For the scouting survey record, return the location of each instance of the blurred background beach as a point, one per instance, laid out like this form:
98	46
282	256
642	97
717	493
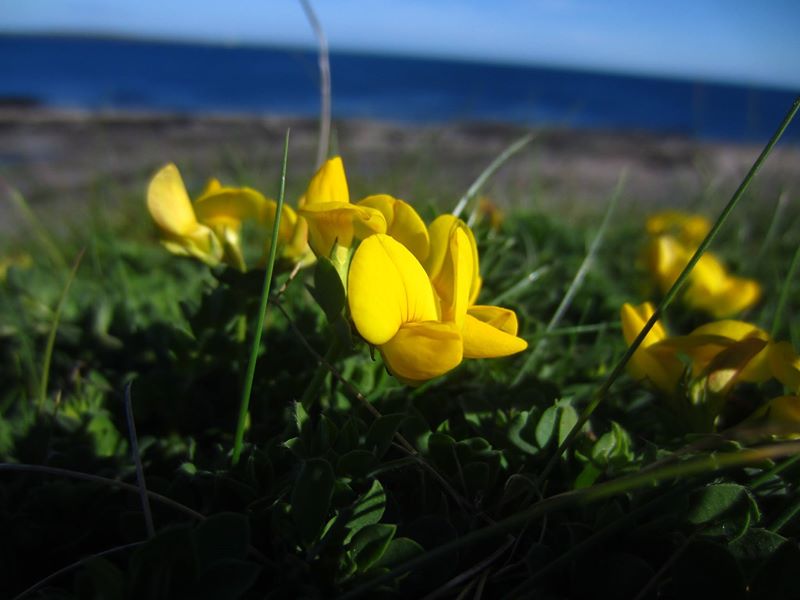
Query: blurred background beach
97	94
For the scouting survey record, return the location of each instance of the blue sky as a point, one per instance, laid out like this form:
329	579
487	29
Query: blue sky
730	40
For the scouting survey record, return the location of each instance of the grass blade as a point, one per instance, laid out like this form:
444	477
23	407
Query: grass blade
783	298
490	170
601	392
51	337
262	311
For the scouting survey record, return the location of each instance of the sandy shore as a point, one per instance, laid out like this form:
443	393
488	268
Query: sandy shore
62	160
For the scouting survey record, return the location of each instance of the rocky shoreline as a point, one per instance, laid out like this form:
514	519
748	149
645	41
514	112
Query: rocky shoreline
61	159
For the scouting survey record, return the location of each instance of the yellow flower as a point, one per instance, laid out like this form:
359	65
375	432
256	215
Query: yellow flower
657	364
402	223
210	229
780	417
332	219
440	267
688	228
710	288
171	209
393	307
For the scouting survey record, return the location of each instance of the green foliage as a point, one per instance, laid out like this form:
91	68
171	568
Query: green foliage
334	496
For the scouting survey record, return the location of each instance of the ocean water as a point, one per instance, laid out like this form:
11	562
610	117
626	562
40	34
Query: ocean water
95	73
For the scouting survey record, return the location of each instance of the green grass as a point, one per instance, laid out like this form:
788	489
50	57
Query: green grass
472	479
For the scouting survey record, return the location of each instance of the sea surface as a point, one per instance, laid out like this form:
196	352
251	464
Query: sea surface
96	73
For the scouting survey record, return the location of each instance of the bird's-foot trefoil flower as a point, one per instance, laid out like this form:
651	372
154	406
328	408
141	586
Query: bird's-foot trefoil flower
172	211
393	306
333	222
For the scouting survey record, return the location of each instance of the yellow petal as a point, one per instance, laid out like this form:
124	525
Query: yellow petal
780	416
634	319
402	223
440	258
736	295
228	207
455	278
500	318
201	243
483	340
785	364
329	184
169	204
422	350
212	185
288	224
758	368
331	222
657	364
691	229
387	288
666	257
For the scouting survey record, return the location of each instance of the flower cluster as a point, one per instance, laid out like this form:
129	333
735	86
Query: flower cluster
705	365
210	228
411	288
674	237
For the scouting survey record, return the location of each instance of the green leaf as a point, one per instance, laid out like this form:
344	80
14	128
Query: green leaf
546	426
522	432
221	536
715	500
399	551
566	421
370	543
381	433
755	546
328	290
311	498
369	508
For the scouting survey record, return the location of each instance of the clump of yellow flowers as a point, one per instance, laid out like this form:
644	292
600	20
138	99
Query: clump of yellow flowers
674	237
209	229
697	372
411	289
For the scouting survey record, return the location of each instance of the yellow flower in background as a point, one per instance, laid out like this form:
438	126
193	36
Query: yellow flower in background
688	228
393	307
172	211
489	210
710	287
210	228
402	223
780	417
332	219
224	209
659	365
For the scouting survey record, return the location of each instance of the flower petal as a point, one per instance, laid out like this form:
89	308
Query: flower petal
224	206
332	222
441	259
402	223
169	204
423	350
785	365
634	319
483	340
387	287
500	318
329	184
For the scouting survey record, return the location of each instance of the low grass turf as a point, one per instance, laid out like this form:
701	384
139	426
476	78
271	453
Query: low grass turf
327	500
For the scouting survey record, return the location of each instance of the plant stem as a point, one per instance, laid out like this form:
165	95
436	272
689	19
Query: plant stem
262	311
